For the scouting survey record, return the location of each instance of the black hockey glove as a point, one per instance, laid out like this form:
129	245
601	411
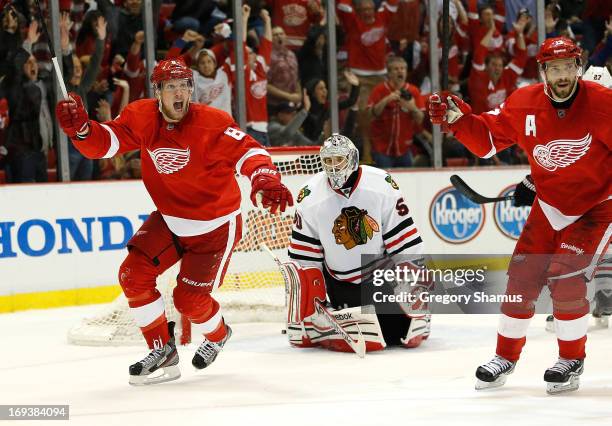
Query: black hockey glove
525	192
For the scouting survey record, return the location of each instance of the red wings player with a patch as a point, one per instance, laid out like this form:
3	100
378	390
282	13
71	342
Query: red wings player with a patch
190	155
185	166
565	127
568	149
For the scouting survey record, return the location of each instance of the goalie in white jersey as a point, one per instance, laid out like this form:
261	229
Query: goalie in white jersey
346	216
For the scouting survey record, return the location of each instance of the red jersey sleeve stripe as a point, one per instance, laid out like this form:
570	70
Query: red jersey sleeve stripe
250	153
114	142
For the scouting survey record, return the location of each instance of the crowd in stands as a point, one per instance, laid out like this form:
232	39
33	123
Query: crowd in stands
382	59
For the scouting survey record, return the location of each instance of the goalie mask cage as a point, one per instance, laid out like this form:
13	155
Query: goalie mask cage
253	288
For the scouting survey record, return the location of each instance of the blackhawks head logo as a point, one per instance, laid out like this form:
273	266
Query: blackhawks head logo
304	192
354	227
389	179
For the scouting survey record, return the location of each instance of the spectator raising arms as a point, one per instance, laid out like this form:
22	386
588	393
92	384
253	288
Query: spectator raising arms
312	57
295	17
484	18
211	85
530	74
283	83
318	115
81	168
256	80
490	82
30	131
366	30
284	128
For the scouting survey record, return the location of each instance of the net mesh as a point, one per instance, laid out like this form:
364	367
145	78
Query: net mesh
253	289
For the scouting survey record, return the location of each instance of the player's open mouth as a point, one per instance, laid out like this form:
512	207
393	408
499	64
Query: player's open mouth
178	106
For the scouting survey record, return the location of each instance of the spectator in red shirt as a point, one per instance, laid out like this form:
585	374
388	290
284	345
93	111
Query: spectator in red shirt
295	17
404	25
481	19
490	83
366	30
283	76
256	79
457	25
530	73
134	69
397	108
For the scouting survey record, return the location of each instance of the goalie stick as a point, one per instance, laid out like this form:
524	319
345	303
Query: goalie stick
474	196
358	346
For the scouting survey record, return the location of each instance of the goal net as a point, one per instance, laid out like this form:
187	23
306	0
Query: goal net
253	289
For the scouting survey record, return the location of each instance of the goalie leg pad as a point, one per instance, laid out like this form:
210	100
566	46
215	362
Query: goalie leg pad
304	285
418	331
298	335
314	331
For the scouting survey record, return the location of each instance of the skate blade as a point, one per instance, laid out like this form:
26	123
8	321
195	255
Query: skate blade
602	322
499	382
556	388
166	374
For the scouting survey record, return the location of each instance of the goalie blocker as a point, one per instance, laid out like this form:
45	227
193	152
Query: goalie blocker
307	328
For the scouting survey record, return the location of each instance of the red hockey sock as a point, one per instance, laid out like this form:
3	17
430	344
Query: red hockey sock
510	348
572	349
571	331
156	334
218	333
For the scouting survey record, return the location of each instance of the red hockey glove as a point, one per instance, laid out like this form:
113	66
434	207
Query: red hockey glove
448	111
266	183
72	116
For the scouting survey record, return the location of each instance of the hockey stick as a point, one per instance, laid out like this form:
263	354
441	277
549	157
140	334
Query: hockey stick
474	196
358	346
56	67
444	38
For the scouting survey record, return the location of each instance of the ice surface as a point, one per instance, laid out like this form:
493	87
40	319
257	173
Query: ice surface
260	380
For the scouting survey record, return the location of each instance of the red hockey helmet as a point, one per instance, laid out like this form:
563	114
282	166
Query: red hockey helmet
558	48
170	69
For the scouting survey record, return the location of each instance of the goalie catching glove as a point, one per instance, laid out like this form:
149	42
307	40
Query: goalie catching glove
266	185
72	116
447	111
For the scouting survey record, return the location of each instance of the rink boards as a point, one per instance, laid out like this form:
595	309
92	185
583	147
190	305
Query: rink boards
61	244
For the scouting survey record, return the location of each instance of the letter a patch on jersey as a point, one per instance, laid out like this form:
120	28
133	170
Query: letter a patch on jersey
530	126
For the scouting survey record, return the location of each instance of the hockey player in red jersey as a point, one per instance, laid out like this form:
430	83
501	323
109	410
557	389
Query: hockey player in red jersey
565	126
190	154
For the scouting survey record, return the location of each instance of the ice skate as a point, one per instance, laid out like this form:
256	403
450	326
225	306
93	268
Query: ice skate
550	324
564	376
161	365
427	327
493	374
603	308
208	351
